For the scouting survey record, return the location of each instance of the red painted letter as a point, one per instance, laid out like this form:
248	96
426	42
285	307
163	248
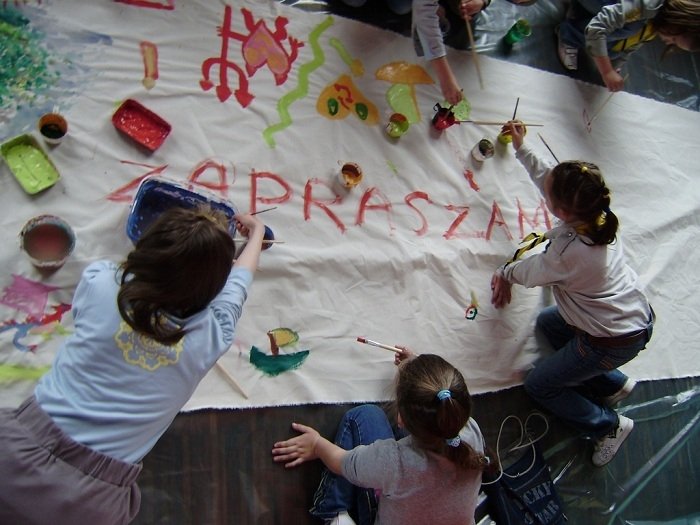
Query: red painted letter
409	201
309	200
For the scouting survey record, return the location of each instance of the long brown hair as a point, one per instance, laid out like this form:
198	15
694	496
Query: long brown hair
579	189
680	17
178	266
434	420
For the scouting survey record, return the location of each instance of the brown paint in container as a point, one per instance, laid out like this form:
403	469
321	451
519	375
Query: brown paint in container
48	241
350	175
53	127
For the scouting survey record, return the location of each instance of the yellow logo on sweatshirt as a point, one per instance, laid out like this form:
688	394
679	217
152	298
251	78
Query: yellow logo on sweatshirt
143	351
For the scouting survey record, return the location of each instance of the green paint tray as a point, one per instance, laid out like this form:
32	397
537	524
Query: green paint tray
29	163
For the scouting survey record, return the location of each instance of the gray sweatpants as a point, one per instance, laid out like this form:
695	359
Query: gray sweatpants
47	478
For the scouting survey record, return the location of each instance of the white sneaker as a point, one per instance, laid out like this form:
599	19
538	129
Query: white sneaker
606	448
343	518
621	394
568	55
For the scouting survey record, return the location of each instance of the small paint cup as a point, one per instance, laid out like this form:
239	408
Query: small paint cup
268	236
53	127
518	31
350	175
397	126
48	241
505	138
483	150
443	118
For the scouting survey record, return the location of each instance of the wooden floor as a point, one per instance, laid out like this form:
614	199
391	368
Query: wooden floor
215	467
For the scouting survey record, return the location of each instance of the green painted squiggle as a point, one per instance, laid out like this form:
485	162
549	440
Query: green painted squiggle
302	88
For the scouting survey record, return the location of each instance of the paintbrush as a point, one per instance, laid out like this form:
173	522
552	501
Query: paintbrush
475	55
489	123
265	241
231	380
263	211
516	108
595	115
379	345
547	146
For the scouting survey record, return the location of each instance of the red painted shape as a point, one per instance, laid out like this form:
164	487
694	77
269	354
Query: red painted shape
223	91
497	220
151	4
219	169
255	177
408	199
462	212
126	193
534	223
309	200
469	175
364	206
264	47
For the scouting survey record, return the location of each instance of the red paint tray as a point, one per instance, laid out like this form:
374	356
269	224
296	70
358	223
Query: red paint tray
141	124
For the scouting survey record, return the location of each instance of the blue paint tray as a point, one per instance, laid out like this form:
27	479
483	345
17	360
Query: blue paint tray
157	194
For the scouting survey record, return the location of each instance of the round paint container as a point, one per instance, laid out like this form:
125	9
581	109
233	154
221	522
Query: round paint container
443	118
350	175
268	236
397	126
518	31
504	137
483	150
48	241
53	127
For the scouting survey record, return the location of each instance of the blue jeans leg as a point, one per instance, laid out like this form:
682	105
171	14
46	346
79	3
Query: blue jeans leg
361	425
568	382
552	326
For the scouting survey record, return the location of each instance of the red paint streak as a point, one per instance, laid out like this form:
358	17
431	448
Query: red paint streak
344	95
309	200
126	193
463	211
264	47
220	170
408	199
534	223
223	91
151	4
56	315
469	175
260	47
364	206
149	54
256	176
497	220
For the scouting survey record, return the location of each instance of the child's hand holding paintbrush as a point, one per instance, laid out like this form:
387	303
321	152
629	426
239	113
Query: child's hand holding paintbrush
401	353
516	129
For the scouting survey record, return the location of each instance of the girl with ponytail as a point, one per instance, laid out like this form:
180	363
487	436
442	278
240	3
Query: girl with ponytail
601	319
426	471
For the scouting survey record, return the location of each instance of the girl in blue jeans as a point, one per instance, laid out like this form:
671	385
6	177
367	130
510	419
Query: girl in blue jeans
601	320
429	473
